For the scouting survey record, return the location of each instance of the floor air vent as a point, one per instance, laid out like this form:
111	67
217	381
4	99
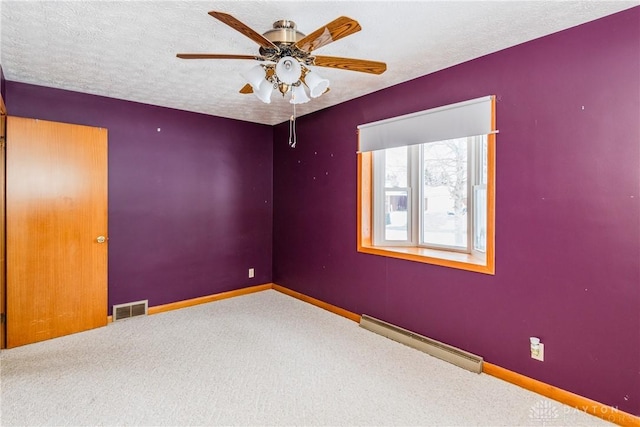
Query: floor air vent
435	348
131	309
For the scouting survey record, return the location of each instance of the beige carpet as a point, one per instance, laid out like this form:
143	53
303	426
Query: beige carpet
259	359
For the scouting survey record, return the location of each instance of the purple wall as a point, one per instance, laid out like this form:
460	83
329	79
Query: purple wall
567	213
2	83
190	207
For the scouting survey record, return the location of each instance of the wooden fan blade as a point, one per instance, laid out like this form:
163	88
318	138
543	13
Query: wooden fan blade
216	56
244	29
334	30
351	64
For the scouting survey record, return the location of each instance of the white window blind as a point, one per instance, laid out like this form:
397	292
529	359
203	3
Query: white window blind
463	119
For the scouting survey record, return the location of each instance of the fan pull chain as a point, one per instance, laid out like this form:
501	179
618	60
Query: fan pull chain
292	129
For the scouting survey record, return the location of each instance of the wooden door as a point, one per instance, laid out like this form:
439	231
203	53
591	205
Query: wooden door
56	201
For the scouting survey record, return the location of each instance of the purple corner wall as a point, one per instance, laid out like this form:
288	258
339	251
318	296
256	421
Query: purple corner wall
567	213
190	204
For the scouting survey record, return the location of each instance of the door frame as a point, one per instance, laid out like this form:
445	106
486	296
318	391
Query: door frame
3	218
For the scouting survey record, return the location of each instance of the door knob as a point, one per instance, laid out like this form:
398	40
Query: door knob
101	239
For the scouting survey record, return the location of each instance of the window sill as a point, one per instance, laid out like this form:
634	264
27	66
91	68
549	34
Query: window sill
431	256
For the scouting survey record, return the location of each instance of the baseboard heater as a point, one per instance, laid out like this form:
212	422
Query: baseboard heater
130	309
435	348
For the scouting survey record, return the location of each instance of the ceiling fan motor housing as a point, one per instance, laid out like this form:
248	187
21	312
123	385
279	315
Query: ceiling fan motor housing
283	32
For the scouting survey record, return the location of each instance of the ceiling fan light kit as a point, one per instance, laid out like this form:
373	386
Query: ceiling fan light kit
285	56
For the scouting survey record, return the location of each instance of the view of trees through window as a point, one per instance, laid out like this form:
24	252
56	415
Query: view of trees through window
444	207
437	182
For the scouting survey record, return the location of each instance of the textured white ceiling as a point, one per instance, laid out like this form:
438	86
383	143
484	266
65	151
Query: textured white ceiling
126	49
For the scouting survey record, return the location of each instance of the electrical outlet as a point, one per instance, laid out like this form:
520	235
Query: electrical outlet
252	273
538	355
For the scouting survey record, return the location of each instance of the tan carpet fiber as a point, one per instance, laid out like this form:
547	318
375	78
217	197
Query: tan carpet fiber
259	359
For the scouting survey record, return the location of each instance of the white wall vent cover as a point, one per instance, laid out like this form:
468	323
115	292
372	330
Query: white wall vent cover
435	348
131	309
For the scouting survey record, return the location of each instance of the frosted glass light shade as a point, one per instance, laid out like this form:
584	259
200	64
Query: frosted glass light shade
317	85
255	76
299	95
264	91
288	70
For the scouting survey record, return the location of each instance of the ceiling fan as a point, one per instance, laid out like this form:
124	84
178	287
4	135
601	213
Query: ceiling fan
286	55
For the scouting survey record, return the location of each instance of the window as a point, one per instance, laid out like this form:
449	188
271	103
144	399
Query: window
427	198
